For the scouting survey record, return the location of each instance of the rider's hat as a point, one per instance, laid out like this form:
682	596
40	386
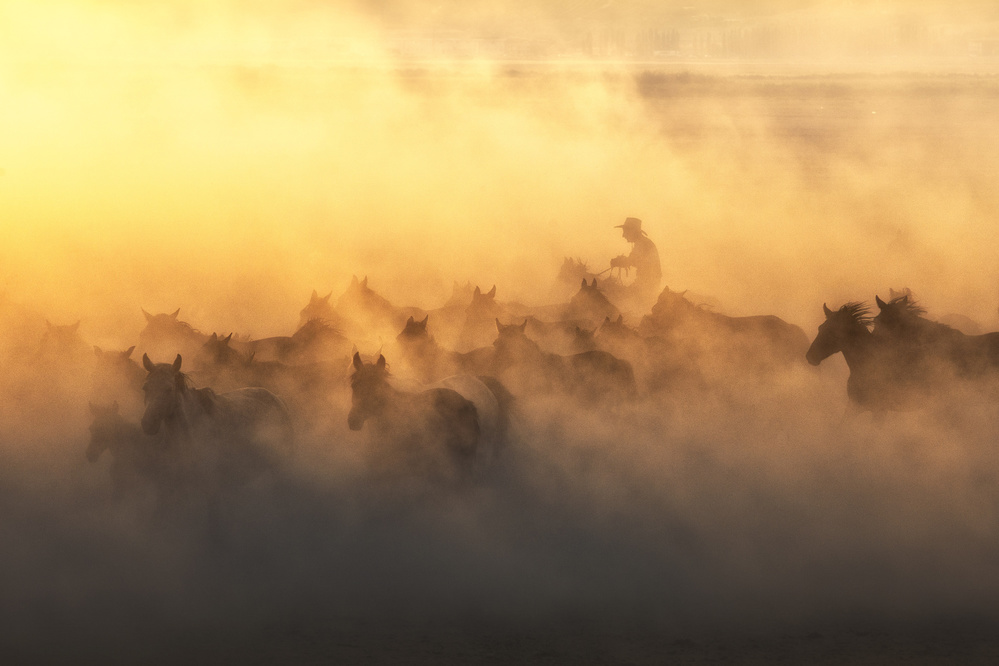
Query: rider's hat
631	224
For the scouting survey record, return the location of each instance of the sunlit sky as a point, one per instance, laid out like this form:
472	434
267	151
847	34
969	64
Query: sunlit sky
227	158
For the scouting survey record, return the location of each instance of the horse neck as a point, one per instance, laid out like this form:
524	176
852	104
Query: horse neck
185	418
859	347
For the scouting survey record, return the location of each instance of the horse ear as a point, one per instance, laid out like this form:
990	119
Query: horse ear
492	292
523	327
353	280
97	351
826	310
315	295
410	320
477	292
620	319
148	316
364	282
593	283
176	363
147	364
584	285
881	304
905	299
174	315
75	327
499	326
381	362
227	340
424	322
128	352
215	337
327	297
358	363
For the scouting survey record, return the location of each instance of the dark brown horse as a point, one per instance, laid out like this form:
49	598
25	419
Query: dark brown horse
434	431
923	342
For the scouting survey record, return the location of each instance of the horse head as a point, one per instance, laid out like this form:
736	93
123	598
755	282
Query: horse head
370	390
837	331
163	389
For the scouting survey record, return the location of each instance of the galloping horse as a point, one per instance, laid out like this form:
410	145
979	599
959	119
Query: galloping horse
927	342
437	429
880	378
229	438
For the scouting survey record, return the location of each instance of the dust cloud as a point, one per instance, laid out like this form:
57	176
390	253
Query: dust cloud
229	158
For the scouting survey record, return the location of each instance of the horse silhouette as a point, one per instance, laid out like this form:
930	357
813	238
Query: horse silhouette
881	378
592	376
224	440
435	431
165	335
590	304
428	361
924	342
316	341
755	342
477	329
118	378
372	313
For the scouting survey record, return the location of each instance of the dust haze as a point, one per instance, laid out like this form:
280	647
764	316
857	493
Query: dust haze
228	159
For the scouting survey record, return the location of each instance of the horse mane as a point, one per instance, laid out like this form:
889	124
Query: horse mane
859	312
908	305
315	326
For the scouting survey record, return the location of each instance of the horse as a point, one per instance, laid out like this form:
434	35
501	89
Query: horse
880	379
757	342
592	376
139	462
318	307
477	328
166	334
117	377
901	322
428	361
961	322
372	313
225	440
590	304
436	430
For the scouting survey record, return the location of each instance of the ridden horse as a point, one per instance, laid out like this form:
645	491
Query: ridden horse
225	440
927	342
436	430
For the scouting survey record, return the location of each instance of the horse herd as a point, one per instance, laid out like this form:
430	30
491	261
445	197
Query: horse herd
438	396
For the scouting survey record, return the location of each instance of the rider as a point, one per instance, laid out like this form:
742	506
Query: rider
644	258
